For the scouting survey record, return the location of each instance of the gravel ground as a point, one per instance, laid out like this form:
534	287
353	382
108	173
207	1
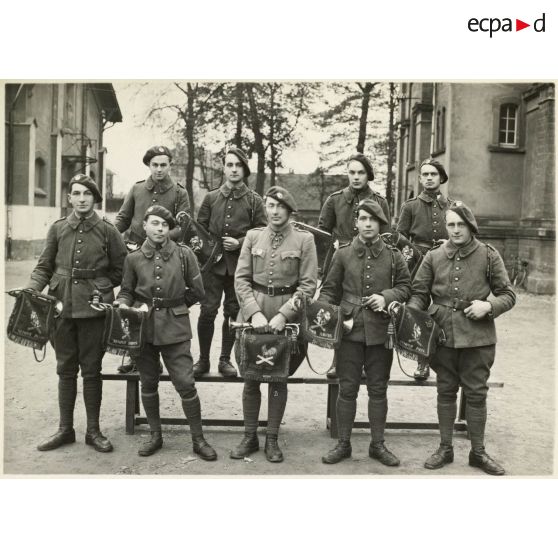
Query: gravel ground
520	430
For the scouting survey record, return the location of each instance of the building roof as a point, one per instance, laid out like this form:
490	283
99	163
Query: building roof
107	100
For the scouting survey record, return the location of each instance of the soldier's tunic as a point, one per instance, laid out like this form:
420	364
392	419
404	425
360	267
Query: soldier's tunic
159	277
341	209
167	193
358	271
422	220
451	276
80	256
225	212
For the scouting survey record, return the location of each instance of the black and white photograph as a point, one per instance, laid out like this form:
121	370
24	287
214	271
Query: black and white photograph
294	278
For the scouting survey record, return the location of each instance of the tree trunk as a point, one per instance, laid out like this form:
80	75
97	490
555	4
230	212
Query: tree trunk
239	114
256	126
366	90
273	151
190	149
391	147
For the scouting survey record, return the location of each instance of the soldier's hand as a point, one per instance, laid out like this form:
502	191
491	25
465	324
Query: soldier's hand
122	305
230	244
478	310
260	323
375	302
278	323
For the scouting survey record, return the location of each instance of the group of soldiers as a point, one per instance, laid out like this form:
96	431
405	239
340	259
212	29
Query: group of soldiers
266	264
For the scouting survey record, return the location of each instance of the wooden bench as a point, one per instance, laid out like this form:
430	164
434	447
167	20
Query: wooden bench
134	418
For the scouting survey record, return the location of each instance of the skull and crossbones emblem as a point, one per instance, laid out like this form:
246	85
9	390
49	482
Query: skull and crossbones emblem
267	356
323	317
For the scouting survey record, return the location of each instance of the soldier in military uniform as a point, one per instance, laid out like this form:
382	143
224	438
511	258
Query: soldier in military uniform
158	189
276	262
228	213
83	253
166	277
339	213
422	219
458	277
365	277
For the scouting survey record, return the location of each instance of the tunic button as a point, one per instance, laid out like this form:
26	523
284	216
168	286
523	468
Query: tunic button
270	281
226	224
367	286
455	289
271	272
157	309
458	259
435	214
228	216
273	255
153	200
80	231
158	277
158	267
78	251
454	310
369	257
77	261
230	206
457	278
457	268
80	241
157	257
367	267
75	282
158	288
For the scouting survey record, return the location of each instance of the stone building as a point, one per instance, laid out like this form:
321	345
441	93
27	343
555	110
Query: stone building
52	131
496	141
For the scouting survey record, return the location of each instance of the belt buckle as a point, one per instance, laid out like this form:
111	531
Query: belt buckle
270	290
155	303
74	269
455	302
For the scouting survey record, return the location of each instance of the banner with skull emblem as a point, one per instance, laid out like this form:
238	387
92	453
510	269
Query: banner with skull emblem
123	333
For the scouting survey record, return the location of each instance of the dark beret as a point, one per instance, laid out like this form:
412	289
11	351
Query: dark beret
89	183
283	196
465	213
365	163
242	156
373	208
439	167
154	151
160	211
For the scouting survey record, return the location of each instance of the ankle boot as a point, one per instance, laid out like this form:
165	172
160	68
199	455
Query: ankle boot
201	368
226	368
442	456
248	445
94	437
479	458
154	444
192	410
341	451
272	451
378	451
62	437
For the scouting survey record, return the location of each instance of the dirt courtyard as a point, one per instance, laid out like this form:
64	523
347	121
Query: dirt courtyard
520	429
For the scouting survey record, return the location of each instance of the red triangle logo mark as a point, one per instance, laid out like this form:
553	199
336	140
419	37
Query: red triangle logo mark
519	25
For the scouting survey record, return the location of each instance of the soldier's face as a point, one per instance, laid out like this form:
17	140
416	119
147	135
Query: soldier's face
458	230
429	177
81	199
234	171
159	167
368	226
356	172
156	228
277	213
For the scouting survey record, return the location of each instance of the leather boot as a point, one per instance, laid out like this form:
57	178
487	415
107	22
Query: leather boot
62	437
442	456
94	437
248	445
154	444
379	452
272	451
206	327
227	342
341	451
479	458
128	366
192	410
226	369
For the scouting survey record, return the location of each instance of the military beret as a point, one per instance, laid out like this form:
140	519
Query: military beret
242	156
438	166
154	151
373	208
365	163
283	196
465	213
89	183
160	211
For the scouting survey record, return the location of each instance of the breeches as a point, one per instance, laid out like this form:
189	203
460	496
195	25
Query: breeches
78	344
376	360
178	361
468	368
215	286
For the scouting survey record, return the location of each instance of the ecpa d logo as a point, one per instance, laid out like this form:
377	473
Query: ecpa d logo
493	25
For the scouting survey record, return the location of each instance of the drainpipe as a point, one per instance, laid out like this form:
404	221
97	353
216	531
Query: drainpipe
10	185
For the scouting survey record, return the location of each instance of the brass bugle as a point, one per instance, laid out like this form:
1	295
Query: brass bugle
238	325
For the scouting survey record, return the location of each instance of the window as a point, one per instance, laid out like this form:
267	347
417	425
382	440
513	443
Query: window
440	131
507	129
40	178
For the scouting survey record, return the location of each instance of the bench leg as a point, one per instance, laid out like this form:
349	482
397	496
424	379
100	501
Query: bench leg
332	394
132	404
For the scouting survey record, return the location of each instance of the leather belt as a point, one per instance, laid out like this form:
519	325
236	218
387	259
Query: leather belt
158	302
270	290
455	303
77	273
352	299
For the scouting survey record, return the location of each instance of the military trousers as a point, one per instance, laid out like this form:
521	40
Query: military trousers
215	285
78	344
376	360
468	368
178	361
